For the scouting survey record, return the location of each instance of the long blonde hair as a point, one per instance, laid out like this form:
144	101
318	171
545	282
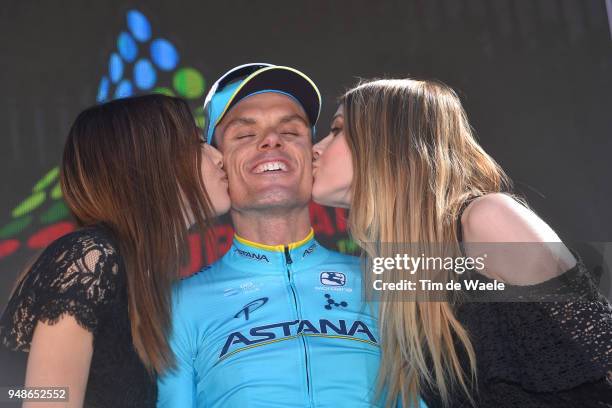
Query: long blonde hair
416	162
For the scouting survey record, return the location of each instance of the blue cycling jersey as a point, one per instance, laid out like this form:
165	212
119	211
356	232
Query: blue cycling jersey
273	326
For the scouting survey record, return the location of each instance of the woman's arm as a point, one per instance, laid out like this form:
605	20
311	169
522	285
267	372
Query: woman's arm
55	311
521	248
60	355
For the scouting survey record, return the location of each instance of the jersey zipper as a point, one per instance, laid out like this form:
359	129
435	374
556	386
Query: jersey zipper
288	262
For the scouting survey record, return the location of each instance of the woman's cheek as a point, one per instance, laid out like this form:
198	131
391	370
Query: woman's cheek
322	183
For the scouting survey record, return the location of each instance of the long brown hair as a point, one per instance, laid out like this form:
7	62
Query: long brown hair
134	165
416	162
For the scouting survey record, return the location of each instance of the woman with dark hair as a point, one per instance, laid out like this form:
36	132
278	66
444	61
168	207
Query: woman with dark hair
402	156
94	309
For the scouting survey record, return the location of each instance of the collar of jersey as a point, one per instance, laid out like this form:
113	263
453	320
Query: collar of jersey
257	256
275	248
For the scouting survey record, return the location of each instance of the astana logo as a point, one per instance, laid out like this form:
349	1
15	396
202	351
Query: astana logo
142	63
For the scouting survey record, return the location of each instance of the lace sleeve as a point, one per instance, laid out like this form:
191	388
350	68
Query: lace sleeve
77	275
558	345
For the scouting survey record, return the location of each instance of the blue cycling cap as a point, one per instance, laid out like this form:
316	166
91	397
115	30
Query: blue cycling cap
249	79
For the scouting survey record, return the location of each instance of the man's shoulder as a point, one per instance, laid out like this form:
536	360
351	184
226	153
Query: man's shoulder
204	276
336	257
194	283
200	289
342	257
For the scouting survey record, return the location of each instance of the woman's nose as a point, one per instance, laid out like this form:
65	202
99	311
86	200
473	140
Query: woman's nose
317	149
216	156
315	152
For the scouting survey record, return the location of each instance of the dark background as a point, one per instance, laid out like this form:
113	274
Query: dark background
534	77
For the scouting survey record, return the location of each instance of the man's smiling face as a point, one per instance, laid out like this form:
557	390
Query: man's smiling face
266	142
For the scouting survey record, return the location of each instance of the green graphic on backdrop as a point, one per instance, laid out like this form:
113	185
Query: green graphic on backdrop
142	63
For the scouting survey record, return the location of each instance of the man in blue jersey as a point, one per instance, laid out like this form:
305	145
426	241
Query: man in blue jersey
279	321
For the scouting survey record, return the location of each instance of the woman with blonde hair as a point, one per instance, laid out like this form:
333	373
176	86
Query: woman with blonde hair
402	156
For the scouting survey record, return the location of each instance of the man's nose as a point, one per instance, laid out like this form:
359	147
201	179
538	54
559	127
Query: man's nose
271	140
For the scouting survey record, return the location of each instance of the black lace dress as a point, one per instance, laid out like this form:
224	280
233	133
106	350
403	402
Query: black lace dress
81	274
544	354
540	354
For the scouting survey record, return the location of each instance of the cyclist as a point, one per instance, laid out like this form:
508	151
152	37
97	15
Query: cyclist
279	321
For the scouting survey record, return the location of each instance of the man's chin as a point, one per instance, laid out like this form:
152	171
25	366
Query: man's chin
273	198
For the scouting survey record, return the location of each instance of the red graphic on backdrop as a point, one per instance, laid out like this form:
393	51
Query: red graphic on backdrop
49	234
329	224
8	246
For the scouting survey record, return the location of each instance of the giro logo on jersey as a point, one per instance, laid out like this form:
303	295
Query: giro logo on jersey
273	333
331	302
251	307
309	250
333	278
251	255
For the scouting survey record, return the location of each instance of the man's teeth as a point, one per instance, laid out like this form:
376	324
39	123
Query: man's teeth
271	166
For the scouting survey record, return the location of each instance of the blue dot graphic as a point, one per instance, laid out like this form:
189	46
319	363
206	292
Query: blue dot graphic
139	25
115	68
164	54
103	90
127	47
124	89
144	74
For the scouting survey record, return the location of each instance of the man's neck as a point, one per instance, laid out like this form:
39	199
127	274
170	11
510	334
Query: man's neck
272	228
